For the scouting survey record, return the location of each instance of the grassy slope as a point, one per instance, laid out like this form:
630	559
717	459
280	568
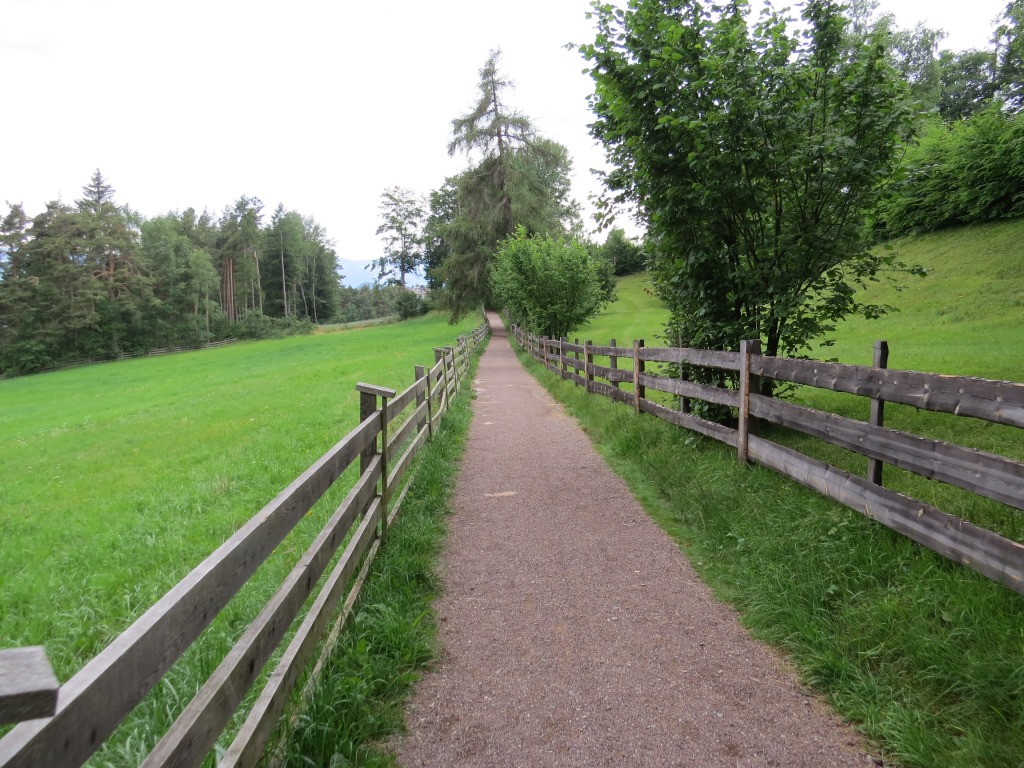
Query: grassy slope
926	656
121	477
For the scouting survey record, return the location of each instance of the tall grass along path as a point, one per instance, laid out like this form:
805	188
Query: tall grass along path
574	632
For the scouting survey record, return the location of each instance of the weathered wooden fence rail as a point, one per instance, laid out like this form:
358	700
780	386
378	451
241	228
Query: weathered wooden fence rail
76	719
985	474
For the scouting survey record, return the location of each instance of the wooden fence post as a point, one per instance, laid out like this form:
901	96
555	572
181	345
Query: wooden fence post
439	358
747	348
455	366
614	362
368	394
418	373
639	391
367	405
563	369
877	417
588	364
576	357
544	349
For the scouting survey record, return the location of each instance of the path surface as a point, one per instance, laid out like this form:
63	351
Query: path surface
575	633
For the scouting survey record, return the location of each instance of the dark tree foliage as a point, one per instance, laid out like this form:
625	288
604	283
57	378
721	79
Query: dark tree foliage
752	153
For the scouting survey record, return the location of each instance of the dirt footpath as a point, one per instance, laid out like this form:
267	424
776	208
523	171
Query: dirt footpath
573	630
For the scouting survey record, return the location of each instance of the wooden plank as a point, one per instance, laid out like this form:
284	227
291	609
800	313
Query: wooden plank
614	393
985	474
614	351
707	428
410	393
403	463
28	687
997	401
880	359
708	358
93	702
988	553
410	425
198	727
747	383
247	748
573	363
729	397
638	370
373	389
614	375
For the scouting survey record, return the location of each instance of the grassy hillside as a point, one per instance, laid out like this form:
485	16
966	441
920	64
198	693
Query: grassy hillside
924	655
965	317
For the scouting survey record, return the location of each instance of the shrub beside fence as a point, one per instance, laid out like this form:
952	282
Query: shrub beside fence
985	474
76	719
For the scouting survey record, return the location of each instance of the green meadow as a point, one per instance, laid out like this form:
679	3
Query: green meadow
925	656
119	478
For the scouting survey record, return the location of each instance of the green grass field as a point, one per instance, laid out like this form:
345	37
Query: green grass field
924	655
119	478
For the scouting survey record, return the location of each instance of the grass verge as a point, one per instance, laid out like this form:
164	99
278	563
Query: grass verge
925	656
358	700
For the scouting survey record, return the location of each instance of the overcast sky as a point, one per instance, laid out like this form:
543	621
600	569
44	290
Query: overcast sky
316	105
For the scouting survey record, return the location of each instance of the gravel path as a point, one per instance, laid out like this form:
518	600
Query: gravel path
576	633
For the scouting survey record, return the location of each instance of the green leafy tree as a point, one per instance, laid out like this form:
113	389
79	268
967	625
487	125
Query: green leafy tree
520	179
402	221
443	206
1010	56
752	154
238	251
625	256
283	257
959	173
109	243
13	236
968	83
552	287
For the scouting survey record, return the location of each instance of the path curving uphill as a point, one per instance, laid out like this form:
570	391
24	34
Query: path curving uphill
574	632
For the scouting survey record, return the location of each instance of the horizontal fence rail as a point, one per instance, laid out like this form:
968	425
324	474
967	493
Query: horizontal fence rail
984	474
74	720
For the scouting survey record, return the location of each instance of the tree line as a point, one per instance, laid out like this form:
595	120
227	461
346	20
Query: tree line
95	279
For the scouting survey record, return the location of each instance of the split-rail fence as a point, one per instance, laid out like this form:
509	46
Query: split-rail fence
65	725
985	474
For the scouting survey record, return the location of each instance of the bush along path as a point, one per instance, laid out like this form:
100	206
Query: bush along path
573	632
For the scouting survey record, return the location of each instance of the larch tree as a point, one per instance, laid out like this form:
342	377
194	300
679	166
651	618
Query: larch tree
517	178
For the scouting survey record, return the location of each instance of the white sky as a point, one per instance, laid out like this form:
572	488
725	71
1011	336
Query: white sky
318	105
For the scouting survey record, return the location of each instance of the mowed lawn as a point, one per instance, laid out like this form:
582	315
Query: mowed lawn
118	478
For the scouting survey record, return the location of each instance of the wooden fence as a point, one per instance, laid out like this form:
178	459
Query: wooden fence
76	719
985	474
